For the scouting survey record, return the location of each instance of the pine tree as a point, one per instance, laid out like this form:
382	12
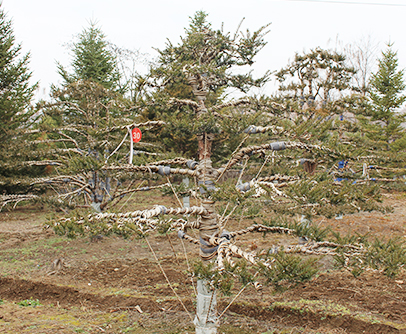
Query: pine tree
318	79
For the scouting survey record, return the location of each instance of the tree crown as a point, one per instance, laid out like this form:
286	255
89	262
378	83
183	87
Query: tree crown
15	89
92	60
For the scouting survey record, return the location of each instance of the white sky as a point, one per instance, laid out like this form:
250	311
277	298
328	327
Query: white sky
45	26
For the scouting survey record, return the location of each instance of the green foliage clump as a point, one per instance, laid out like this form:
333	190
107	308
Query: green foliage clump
309	230
208	271
304	228
388	256
288	270
224	281
78	226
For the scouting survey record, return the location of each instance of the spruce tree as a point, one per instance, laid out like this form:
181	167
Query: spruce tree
212	56
16	112
15	89
265	151
86	121
379	123
92	60
387	86
94	72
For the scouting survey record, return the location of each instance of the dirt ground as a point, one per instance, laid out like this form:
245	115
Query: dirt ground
51	284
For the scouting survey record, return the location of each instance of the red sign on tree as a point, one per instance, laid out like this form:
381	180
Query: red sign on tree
136	135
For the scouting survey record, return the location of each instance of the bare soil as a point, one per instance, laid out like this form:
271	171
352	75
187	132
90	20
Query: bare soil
112	285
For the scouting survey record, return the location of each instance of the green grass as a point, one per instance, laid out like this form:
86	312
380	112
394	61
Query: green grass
30	255
29	302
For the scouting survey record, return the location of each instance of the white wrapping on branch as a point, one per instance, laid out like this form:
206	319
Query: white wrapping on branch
252	129
6	199
158	210
238	251
162	170
262	228
133	125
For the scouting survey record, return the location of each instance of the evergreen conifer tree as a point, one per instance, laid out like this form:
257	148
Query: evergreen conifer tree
379	122
93	82
16	93
213	55
92	60
387	86
86	121
317	80
266	157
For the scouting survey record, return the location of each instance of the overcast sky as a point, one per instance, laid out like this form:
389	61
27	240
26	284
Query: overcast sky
44	27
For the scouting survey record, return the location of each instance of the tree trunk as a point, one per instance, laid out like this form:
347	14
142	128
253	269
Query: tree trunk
206	316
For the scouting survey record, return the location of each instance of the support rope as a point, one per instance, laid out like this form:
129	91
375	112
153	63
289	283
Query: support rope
167	280
232	155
